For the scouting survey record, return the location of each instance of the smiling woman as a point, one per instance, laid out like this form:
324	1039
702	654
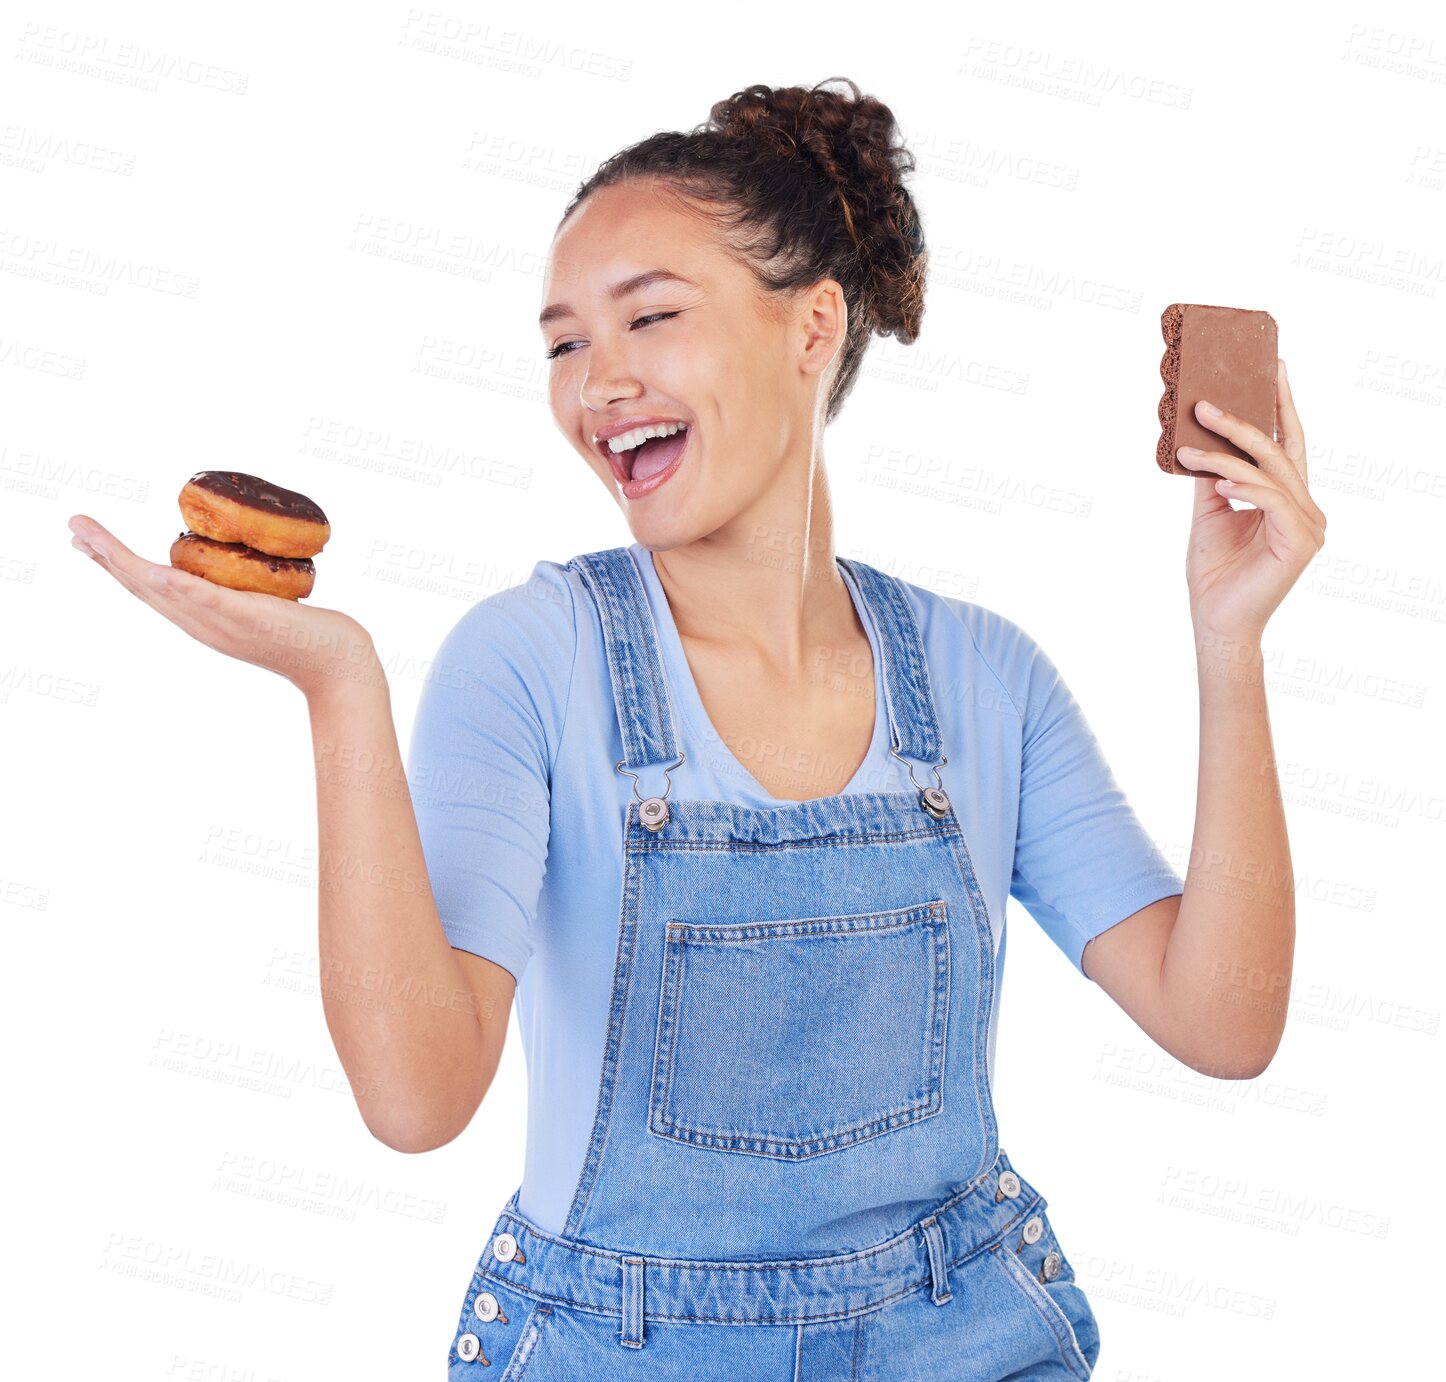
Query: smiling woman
700	845
690	265
666	799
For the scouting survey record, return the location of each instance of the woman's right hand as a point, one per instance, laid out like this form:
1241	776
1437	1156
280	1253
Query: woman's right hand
318	650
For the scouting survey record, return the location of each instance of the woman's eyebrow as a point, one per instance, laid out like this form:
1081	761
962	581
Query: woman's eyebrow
618	290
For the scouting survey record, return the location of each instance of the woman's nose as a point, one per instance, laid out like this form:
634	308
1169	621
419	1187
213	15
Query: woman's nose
607	377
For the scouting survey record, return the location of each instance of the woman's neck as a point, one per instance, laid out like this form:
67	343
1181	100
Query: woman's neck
777	590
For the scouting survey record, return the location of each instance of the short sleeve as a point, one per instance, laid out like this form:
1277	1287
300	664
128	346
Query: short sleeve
1082	859
489	719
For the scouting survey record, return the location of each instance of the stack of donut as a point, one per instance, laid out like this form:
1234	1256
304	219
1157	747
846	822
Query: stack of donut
248	534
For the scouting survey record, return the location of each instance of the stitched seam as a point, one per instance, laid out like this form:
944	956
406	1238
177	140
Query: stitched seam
571	676
996	1240
602	1115
638	645
796	1263
979	906
817	1146
814	842
1048	1309
585	1308
932	916
624	673
725	933
969	632
651	638
916	688
526	1343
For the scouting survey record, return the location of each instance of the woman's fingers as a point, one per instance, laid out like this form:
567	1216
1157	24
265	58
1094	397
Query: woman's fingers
90	532
1292	435
184	605
1224	465
81	545
184	587
1298	533
113	551
102	552
1273	462
1248	437
1292	443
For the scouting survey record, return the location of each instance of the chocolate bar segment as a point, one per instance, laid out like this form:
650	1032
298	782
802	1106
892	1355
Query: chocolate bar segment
1226	355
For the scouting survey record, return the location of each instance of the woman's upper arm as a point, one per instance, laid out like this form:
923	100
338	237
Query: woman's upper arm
490	990
1083	860
480	764
1126	959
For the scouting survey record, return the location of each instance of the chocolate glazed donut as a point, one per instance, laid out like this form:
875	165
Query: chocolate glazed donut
231	507
249	534
240	567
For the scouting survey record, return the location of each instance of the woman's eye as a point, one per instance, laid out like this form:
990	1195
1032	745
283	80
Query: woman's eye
565	347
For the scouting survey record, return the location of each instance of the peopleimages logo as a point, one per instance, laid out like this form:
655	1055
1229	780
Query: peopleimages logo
131	64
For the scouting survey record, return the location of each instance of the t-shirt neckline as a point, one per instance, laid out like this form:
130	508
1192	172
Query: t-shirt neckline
684	688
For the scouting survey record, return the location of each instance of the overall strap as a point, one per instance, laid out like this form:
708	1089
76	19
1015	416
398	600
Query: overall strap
910	698
640	690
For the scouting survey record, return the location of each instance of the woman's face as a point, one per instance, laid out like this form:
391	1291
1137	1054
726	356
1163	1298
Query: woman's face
743	372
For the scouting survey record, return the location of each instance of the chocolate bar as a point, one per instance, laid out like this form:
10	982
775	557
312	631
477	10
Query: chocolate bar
1223	354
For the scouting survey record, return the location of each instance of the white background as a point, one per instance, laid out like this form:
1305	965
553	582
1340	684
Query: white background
311	247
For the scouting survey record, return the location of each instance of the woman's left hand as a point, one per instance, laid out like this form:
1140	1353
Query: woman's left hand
1242	561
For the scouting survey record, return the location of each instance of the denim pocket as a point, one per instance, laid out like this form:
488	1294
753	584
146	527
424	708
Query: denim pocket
795	1038
1031	1255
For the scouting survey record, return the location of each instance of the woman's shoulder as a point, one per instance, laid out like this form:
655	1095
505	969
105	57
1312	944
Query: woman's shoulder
955	628
536	615
515	648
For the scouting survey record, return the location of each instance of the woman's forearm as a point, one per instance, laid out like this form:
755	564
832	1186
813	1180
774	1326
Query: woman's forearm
397	1004
1227	967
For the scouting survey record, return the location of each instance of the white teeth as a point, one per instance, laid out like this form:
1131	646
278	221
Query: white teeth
628	440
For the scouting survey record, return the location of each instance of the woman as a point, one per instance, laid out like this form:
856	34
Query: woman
761	1140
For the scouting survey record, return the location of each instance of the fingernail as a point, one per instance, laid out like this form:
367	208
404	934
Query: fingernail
1283	374
1209	409
1191	452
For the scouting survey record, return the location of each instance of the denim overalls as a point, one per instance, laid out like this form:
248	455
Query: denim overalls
794	1172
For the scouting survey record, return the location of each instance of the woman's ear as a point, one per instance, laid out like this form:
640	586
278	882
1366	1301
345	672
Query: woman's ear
823	324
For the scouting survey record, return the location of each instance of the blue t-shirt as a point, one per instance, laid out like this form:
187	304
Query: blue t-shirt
521	813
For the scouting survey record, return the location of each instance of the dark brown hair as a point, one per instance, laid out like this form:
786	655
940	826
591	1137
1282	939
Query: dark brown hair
803	183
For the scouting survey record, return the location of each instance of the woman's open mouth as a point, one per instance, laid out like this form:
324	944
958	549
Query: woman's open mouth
642	469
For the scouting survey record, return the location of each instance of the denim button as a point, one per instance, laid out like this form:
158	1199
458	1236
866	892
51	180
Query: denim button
1033	1228
468	1347
485	1306
654	813
504	1247
1051	1265
936	802
1009	1184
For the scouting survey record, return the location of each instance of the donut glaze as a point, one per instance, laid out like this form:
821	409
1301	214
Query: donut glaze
240	567
229	506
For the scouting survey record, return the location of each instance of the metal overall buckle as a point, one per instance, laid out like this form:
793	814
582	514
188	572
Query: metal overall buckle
934	800
653	811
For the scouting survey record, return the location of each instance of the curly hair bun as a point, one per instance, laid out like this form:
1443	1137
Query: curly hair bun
801	183
852	140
